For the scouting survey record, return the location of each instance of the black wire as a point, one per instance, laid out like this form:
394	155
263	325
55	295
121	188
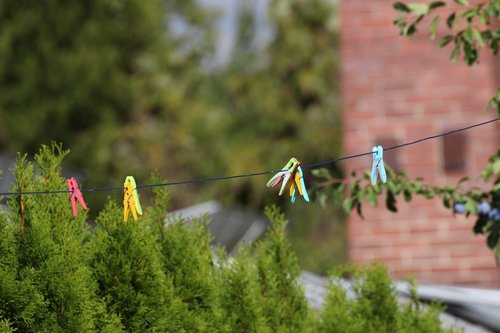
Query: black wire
204	180
443	134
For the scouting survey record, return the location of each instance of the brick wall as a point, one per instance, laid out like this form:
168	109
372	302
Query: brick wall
397	90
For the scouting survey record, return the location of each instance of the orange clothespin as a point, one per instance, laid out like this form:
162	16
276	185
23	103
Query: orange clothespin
75	196
130	199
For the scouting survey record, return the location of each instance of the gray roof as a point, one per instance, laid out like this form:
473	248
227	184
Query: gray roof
481	306
7	178
229	227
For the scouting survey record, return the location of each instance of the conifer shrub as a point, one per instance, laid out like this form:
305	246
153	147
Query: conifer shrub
125	258
46	284
241	297
372	305
283	301
56	275
187	259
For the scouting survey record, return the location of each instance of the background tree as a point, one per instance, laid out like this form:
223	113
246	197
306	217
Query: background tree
106	78
275	106
126	86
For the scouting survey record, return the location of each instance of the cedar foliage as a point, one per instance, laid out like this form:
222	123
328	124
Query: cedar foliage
374	306
283	302
46	283
125	261
56	275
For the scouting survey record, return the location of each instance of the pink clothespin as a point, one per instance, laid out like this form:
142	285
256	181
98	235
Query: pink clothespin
75	194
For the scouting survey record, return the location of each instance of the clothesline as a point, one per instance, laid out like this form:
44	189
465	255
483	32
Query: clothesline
246	175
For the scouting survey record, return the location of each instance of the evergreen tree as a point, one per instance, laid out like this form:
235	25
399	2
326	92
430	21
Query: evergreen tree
285	306
188	261
127	264
47	284
240	294
373	306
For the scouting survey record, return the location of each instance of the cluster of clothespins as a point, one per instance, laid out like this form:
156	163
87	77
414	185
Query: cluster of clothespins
291	175
131	201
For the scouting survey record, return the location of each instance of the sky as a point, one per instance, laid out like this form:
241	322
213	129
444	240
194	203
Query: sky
226	25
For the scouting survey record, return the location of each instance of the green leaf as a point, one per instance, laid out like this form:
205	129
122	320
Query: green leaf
446	201
470	53
480	224
462	2
445	40
360	196
463	180
494	46
471	206
372	197
409	30
433	27
358	209
322	173
400	21
419	8
393	187
492	239
436	4
390	202
401	7
407	195
483	18
496	167
450	20
468	14
348	205
456	52
468	34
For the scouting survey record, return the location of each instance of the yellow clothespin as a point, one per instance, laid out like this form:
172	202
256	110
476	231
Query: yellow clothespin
130	199
298	184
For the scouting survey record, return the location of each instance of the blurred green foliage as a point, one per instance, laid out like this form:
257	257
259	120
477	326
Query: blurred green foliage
117	83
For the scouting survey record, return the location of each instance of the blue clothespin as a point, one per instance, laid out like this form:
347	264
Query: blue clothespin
300	185
378	165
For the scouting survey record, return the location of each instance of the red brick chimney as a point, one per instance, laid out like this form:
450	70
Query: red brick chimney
396	90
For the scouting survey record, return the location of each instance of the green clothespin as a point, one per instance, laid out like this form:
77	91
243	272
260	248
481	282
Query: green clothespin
284	175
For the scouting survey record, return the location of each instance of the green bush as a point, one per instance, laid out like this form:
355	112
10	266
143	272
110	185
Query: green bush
374	306
125	259
187	259
56	275
283	300
46	283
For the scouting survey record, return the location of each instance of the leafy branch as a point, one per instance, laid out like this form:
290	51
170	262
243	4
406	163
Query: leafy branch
484	204
467	26
471	28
